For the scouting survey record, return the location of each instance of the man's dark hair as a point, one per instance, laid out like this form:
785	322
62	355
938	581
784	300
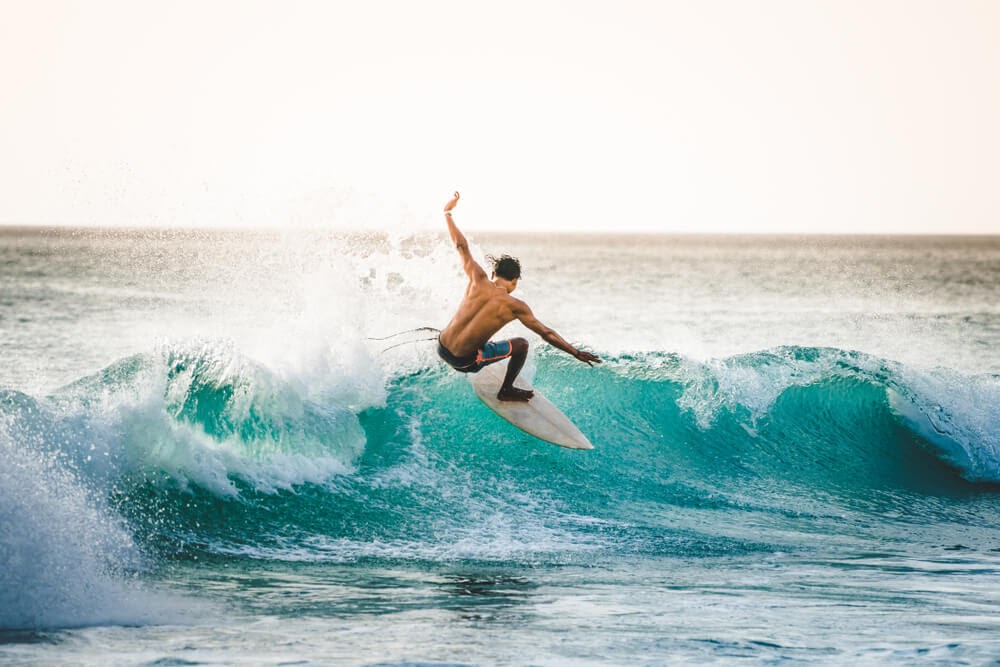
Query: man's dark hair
505	266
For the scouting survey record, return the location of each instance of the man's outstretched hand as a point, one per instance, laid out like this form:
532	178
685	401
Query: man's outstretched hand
587	357
451	204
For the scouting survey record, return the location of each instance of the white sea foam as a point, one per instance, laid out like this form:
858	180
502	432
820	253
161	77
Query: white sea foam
753	382
65	555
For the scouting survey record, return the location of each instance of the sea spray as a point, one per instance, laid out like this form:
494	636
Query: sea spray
66	556
201	413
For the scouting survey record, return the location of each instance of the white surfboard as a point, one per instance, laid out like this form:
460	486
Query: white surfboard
537	416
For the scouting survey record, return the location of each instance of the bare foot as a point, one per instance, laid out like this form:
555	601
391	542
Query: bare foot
515	394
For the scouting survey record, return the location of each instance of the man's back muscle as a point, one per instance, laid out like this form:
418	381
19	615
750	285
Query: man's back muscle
485	308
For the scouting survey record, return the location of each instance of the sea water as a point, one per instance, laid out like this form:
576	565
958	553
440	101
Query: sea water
205	458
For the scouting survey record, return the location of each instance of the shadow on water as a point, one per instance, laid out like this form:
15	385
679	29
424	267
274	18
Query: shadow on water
492	598
497	587
339	590
8	636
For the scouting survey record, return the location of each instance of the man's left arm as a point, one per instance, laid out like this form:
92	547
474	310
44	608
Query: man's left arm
523	313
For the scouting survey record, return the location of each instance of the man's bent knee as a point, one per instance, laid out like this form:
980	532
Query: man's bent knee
518	345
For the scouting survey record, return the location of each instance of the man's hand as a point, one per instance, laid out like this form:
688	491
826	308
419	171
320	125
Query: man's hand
587	357
450	205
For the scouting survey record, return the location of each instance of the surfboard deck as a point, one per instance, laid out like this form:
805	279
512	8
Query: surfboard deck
538	417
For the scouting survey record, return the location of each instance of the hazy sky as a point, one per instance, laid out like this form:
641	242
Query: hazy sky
804	116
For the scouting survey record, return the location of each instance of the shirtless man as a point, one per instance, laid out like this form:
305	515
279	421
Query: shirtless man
486	307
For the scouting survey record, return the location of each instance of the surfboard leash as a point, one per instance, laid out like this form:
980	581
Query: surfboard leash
408	331
418	340
408	342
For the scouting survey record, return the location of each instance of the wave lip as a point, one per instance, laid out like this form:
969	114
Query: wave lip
959	416
201	413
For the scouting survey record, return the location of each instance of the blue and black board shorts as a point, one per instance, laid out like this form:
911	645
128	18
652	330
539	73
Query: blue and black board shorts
492	352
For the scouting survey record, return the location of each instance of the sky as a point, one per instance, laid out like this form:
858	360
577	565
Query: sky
799	116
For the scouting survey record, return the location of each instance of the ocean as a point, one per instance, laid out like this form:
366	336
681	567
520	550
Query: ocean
207	459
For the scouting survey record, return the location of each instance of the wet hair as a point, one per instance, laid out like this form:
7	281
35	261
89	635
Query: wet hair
505	266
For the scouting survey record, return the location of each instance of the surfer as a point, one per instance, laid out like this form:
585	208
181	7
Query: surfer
487	306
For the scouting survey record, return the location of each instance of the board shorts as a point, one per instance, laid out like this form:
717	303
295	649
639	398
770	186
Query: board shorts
490	353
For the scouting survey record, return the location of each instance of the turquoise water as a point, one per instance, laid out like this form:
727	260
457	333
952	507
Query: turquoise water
208	461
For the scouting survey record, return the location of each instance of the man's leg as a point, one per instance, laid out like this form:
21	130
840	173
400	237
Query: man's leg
518	354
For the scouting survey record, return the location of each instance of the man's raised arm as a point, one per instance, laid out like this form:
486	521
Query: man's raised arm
472	268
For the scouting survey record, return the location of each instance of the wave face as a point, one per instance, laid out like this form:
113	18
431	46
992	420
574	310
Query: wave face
196	451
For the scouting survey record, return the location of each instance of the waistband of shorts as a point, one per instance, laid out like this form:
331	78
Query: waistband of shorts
458	363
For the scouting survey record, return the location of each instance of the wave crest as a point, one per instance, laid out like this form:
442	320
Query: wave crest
202	413
955	414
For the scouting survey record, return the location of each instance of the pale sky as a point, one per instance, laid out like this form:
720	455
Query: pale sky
727	116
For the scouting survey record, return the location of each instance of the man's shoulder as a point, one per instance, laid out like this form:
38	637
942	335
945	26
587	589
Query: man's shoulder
515	304
499	298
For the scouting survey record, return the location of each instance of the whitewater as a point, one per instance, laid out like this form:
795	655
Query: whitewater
207	458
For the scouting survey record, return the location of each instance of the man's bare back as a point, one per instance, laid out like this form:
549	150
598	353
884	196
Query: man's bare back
486	307
484	310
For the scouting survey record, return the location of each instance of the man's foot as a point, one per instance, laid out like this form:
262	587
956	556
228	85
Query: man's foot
515	394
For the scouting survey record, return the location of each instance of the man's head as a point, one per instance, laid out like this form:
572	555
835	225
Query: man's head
506	268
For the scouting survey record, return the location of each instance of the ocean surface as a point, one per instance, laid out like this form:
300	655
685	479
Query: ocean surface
205	458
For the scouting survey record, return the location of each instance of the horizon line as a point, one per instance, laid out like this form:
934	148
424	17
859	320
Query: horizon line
4	226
